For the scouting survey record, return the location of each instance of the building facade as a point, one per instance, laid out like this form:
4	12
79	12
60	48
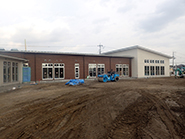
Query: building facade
136	61
58	66
145	62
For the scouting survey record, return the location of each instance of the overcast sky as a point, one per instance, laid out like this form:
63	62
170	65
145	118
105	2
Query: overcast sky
81	25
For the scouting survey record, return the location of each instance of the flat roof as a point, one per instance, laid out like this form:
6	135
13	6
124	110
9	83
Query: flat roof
14	58
137	47
64	53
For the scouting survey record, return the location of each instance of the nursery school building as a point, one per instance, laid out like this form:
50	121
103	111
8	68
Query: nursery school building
56	66
135	61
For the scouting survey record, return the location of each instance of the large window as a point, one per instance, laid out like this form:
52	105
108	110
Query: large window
10	71
13	71
16	71
5	73
59	71
47	70
96	69
154	70
122	69
157	70
53	71
92	70
162	70
125	70
119	69
151	70
101	69
146	70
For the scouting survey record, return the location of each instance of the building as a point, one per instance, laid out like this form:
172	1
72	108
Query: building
11	69
135	61
145	62
56	66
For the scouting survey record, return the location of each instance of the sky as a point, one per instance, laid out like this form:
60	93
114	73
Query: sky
81	25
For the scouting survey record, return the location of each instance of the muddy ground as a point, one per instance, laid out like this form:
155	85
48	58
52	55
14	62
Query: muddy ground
128	109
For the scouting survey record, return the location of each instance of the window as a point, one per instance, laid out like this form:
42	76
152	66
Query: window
10	72
162	61
146	70
6	72
146	61
58	70
156	61
162	70
157	70
77	72
92	70
47	70
101	69
125	70
151	70
151	61
50	70
16	71
122	69
119	69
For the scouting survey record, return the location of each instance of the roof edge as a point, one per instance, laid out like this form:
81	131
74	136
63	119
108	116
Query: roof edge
137	47
11	57
66	53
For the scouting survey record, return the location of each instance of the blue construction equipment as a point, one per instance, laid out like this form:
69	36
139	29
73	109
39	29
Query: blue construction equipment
109	76
180	73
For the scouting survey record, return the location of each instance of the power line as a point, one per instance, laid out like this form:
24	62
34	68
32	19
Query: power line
180	53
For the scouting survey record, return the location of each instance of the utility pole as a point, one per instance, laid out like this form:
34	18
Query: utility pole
173	59
100	48
25	44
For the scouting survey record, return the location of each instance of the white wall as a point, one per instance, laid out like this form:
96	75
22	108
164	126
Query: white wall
142	55
134	61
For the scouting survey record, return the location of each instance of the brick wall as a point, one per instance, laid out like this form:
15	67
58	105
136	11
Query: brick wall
36	60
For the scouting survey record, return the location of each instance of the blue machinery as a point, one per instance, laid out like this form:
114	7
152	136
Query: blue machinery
180	73
110	76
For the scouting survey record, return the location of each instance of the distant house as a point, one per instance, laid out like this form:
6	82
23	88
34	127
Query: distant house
145	62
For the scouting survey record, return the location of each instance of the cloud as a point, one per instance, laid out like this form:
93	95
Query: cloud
101	20
165	13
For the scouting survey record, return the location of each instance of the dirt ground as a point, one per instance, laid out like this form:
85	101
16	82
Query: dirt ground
128	109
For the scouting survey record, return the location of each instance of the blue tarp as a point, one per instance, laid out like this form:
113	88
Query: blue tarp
75	82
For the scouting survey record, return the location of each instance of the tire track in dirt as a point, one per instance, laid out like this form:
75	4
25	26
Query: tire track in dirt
47	118
172	122
135	120
126	109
